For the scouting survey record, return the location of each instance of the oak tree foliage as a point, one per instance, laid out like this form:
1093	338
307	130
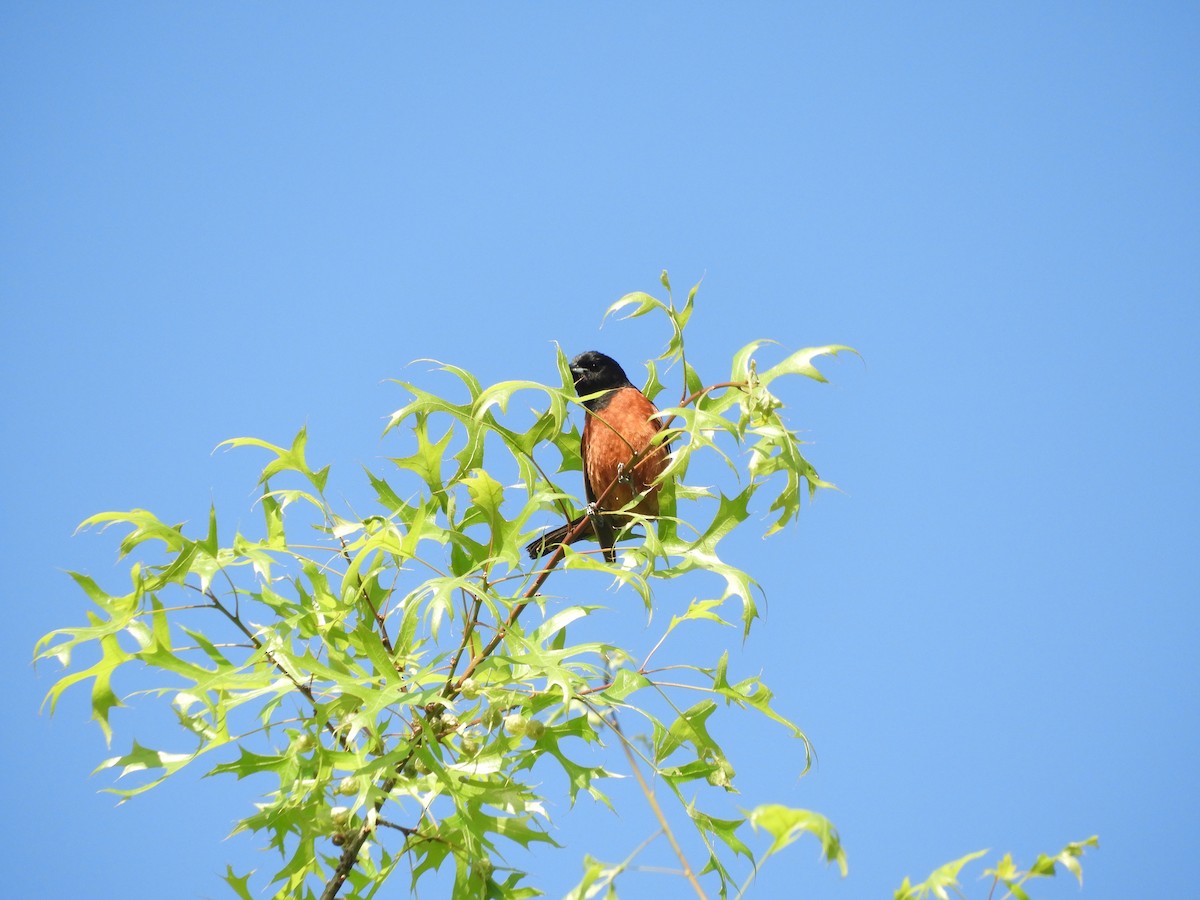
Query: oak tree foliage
402	677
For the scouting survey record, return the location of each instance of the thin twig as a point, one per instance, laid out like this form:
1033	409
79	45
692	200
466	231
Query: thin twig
636	459
355	843
648	791
468	630
304	689
386	824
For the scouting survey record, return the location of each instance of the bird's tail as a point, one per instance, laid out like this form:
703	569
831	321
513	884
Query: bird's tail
551	539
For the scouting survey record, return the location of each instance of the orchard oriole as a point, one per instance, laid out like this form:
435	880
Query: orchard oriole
621	424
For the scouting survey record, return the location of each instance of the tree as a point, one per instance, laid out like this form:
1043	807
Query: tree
390	678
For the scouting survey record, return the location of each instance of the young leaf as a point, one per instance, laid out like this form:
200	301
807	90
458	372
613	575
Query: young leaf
786	825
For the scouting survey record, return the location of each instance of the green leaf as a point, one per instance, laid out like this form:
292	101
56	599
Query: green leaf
752	693
472	383
146	526
701	554
426	462
786	825
724	829
239	883
273	513
249	763
289	460
104	700
596	877
699	610
744	368
486	495
800	363
143	759
645	303
939	880
1068	858
500	394
625	682
579	777
689	727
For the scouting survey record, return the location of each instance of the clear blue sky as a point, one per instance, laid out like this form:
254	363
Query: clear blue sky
228	219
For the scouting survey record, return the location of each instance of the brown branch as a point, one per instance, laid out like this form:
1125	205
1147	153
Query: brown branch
354	844
386	824
304	689
516	611
468	630
636	459
346	862
648	791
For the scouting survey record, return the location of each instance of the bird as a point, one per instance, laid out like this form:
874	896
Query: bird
621	423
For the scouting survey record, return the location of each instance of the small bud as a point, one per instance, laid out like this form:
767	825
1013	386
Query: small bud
491	718
722	776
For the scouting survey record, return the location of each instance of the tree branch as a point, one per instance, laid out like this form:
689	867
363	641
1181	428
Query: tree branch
453	685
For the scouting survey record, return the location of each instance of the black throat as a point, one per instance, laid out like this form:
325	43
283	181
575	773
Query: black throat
597	404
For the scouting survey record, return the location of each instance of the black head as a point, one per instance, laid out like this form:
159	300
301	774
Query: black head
594	372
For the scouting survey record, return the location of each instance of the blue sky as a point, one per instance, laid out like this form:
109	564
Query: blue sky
221	220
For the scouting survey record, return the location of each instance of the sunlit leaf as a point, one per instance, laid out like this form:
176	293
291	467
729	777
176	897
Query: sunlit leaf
787	825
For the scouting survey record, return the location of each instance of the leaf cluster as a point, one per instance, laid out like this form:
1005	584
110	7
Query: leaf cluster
944	879
376	674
